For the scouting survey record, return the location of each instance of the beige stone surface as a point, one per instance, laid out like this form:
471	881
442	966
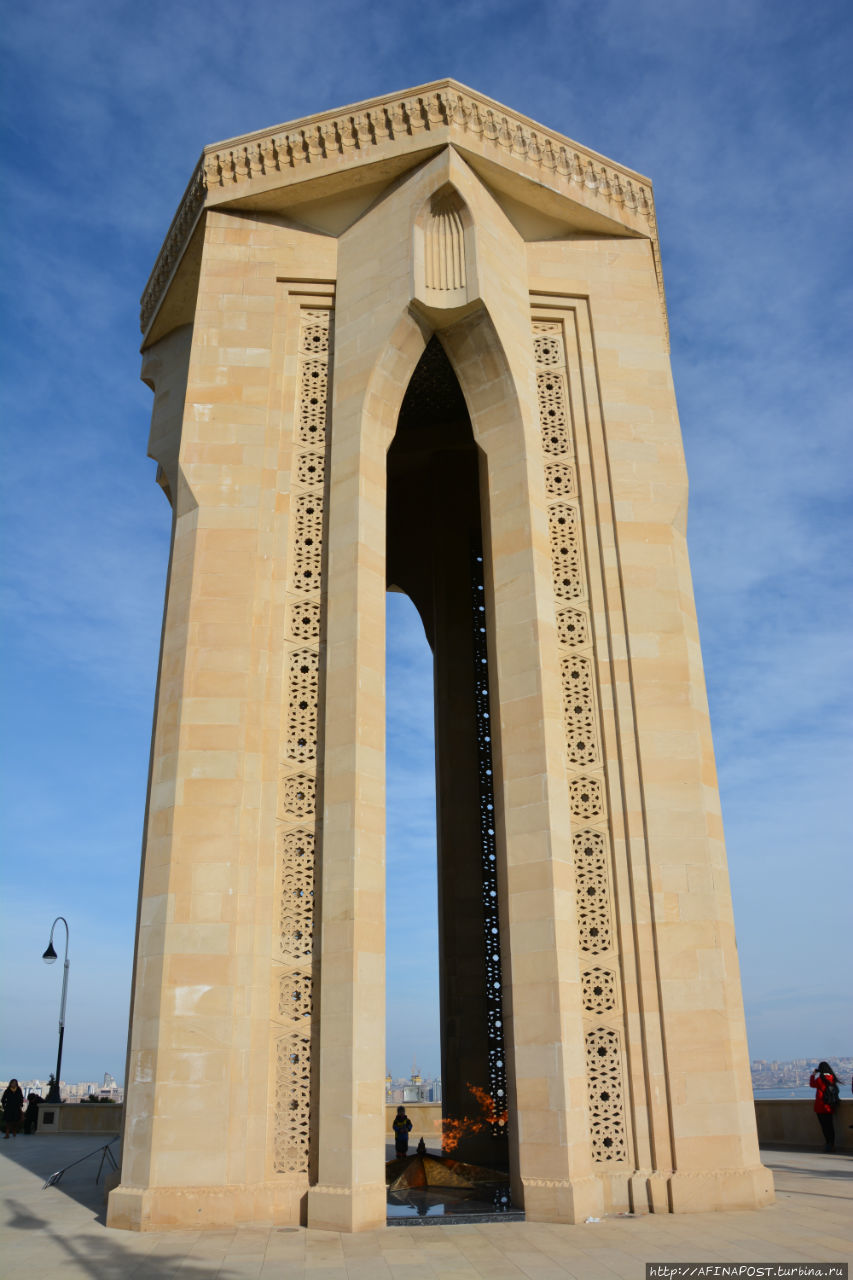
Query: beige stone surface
61	1232
305	274
87	1117
791	1122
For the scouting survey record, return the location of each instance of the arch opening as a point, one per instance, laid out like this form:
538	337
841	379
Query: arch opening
434	556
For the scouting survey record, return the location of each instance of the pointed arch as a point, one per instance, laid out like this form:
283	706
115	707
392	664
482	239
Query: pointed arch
391	374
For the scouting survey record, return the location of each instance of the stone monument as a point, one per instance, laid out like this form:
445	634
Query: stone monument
420	344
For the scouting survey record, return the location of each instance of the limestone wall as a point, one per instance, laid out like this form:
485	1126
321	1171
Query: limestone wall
80	1118
791	1122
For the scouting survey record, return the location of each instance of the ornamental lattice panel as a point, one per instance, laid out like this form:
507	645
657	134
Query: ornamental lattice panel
297	795
566	553
606	1101
296	895
581	703
599	991
292	1101
579	710
488	853
592	890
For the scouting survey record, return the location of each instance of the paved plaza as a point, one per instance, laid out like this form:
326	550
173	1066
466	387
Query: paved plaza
60	1232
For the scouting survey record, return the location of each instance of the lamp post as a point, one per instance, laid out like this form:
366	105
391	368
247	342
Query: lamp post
48	957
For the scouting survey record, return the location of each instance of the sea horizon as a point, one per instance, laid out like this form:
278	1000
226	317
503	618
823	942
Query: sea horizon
782	1091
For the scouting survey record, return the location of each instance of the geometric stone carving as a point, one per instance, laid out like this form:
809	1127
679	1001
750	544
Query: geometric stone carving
565	552
585	798
314	336
572	628
548	347
579	711
303	621
302	705
313	388
297	791
592	886
560	480
296	916
606	1106
307	542
297	848
599	991
298	796
310	468
292	1096
294	995
554	413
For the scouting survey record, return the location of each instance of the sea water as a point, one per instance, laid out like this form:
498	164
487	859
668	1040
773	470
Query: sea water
783	1091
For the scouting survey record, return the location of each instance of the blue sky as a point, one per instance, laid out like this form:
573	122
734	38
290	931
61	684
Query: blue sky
741	114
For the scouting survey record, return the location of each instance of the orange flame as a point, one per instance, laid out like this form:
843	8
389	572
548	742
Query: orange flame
452	1130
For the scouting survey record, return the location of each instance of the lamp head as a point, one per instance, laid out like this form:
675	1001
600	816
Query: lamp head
49	955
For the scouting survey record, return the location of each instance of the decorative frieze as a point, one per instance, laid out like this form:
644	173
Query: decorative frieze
381	125
177	239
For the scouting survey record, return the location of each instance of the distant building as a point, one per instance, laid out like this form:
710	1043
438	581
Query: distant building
110	1091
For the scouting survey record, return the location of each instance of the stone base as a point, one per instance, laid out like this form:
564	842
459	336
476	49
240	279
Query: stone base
649	1192
177	1208
571	1200
347	1208
721	1189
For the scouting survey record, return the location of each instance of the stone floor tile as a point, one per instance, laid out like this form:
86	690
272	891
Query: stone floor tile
62	1232
367	1268
452	1272
324	1272
499	1271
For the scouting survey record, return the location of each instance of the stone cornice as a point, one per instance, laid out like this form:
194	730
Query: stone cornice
433	115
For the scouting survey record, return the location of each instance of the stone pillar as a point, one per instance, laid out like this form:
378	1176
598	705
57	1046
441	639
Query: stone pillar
349	1194
201	1111
548	1134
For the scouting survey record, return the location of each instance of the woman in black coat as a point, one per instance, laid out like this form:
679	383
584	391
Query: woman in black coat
13	1104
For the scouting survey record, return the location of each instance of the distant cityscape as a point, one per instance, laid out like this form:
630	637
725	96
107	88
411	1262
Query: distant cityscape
412	1088
775	1074
84	1091
766	1074
795	1073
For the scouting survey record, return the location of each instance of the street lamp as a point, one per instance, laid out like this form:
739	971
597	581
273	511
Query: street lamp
48	957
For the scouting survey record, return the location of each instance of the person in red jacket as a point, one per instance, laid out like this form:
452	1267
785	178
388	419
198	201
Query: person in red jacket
825	1082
